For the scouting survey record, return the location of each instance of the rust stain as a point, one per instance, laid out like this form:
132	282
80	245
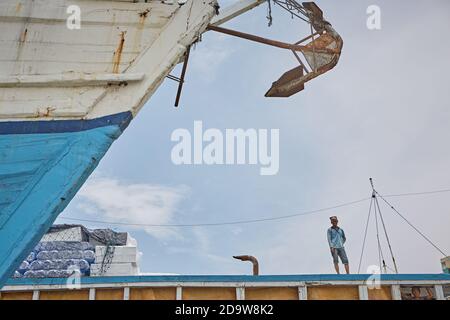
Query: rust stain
48	111
45	111
22	39
23	36
118	53
18	7
143	15
137	39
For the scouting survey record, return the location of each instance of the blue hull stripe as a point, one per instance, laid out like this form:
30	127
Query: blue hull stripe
233	278
41	170
57	126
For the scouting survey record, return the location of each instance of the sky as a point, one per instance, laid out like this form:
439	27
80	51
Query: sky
383	112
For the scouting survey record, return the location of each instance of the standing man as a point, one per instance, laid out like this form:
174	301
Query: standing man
336	240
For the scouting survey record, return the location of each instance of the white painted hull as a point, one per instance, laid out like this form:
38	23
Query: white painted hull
66	95
48	71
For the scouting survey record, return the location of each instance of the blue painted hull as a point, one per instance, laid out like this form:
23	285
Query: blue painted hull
42	166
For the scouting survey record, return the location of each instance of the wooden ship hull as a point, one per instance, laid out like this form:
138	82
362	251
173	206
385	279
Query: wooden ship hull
74	74
67	94
231	287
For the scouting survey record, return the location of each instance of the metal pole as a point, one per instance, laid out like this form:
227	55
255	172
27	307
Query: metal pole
384	226
253	260
183	73
273	43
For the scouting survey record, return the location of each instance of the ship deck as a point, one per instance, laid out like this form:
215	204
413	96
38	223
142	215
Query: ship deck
230	287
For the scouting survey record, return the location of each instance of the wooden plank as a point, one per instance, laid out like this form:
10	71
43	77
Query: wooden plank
70	79
92	12
235	10
333	293
35	45
109	294
383	293
274	293
64	295
153	294
51	102
199	293
17	295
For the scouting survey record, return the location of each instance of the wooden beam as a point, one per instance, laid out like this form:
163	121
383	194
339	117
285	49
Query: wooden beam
235	10
179	293
240	293
302	293
396	294
92	294
72	79
363	293
439	292
36	295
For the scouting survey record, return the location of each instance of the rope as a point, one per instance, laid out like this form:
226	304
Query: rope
287	5
408	222
255	220
381	255
269	13
365	235
222	223
386	234
415	193
378	237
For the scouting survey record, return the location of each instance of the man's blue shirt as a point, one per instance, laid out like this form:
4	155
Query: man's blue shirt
336	237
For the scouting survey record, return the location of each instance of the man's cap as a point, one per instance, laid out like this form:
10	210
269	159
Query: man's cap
333	218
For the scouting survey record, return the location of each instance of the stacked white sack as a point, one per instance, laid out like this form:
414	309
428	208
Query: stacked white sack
124	261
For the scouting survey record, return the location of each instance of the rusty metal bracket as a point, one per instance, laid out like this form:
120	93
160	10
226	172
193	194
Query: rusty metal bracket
180	80
274	43
321	49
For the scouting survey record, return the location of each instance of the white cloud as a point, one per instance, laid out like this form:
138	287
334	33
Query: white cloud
112	200
209	55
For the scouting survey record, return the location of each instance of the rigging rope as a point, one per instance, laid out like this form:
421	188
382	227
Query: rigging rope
290	6
269	13
408	222
378	238
380	253
221	223
365	235
255	220
416	193
374	204
386	234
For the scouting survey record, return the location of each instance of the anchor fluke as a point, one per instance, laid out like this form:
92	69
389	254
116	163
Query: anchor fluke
322	53
283	87
321	49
